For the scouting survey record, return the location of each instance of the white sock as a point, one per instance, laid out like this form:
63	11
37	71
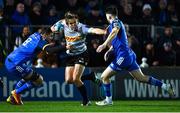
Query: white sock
164	86
109	99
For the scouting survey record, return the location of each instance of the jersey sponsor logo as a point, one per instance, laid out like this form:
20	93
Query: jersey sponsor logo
72	39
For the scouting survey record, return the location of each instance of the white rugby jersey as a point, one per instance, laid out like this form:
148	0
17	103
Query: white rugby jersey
76	38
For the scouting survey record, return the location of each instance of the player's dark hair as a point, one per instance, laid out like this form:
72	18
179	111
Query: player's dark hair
112	10
46	30
70	15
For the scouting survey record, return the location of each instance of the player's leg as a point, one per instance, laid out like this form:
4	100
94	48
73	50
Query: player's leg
138	75
69	69
83	58
31	79
91	76
78	71
20	83
106	75
69	74
136	72
70	77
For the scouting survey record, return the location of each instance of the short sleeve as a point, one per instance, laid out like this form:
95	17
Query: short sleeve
86	29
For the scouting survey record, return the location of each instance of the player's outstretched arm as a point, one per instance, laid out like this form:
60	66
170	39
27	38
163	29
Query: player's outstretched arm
97	31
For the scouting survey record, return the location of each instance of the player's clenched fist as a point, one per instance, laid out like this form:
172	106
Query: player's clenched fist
100	48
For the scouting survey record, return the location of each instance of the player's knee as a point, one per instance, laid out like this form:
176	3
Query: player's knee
38	81
76	77
77	82
36	78
104	78
69	81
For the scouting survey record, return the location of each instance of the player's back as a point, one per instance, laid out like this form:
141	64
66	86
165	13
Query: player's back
120	42
25	51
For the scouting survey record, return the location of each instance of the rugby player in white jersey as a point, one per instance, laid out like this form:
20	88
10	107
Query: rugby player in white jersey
75	35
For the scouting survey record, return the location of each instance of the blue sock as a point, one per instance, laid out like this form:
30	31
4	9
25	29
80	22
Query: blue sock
154	81
26	86
107	89
20	83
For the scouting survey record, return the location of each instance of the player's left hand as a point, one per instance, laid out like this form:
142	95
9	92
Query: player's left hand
100	48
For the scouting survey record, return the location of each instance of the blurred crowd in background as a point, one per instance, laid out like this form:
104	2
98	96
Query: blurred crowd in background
152	27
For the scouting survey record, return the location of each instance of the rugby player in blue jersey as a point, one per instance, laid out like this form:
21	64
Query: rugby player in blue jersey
125	58
15	63
75	36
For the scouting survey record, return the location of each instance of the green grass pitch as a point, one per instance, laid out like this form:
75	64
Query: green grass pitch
74	106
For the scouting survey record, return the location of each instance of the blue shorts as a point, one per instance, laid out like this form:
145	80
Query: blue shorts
21	70
128	63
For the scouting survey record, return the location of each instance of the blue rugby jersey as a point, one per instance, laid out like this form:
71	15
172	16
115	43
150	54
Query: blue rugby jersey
25	52
120	42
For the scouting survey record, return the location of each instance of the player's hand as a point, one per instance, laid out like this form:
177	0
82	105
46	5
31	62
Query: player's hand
106	55
109	54
100	48
69	47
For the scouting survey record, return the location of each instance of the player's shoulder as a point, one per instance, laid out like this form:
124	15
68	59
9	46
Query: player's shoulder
60	22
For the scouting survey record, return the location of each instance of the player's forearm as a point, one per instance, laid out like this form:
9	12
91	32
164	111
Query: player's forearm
98	31
110	38
113	33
